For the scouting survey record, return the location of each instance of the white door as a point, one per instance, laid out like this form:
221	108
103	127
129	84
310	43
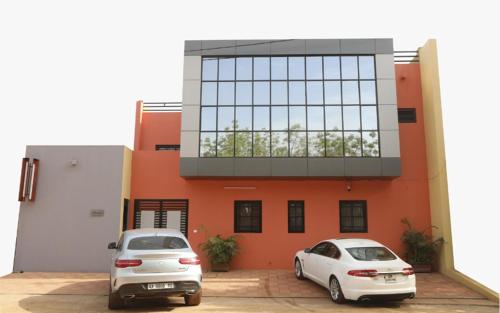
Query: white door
147	219
174	219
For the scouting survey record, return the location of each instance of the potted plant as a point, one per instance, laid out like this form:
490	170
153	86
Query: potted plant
220	251
421	249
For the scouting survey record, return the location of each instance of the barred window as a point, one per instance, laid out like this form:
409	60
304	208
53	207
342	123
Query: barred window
353	216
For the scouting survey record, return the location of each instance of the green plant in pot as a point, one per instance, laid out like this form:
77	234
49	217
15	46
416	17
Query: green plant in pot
421	249
220	251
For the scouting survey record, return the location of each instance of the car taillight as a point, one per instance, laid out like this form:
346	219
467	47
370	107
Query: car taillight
190	261
363	273
127	263
408	271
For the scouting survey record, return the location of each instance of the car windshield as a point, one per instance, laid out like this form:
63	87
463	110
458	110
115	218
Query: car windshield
371	254
157	243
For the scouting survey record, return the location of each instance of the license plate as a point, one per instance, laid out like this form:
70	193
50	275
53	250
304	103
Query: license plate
160	286
390	278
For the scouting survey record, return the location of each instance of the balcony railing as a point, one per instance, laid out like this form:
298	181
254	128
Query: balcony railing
406	57
162	107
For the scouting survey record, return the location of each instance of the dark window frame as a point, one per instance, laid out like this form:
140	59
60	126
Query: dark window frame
258	208
407	115
167	147
300	228
351	228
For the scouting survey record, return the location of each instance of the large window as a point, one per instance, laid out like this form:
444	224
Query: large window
296	216
295	106
247	216
353	216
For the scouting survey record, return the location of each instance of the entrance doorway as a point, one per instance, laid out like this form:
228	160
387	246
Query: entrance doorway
161	213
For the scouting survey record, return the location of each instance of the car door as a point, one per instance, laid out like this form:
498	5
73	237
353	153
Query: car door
312	259
327	263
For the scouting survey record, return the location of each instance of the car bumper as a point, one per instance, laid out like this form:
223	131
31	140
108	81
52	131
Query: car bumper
368	289
119	281
140	290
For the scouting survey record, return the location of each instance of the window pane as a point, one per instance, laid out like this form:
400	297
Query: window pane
297	92
261	144
314	92
298	144
278	68
316	142
209	94
369	118
333	118
296	68
370	144
208	118
209	69
243	118
314	67
226	68
261	93
352	144
351	118
332	67
243	145
297	118
279	118
349	67
207	144
225	144
225	118
332	92
366	67
261	68
261	118
315	119
350	94
244	68
226	94
334	144
367	91
279	144
279	93
244	93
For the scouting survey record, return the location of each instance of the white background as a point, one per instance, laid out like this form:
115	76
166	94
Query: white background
71	71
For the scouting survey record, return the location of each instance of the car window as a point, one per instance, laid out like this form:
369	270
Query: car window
156	243
371	254
332	251
320	248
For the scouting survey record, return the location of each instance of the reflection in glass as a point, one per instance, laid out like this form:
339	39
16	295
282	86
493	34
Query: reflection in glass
315	119
226	68
333	118
243	93
314	92
297	118
209	69
261	93
261	144
279	144
351	118
369	117
209	94
261	68
225	144
296	68
332	67
352	144
208	120
278	68
349	67
225	118
207	144
226	94
261	118
334	144
298	144
366	67
370	144
297	91
367	91
332	92
279	118
244	69
243	144
243	118
314	67
316	144
350	93
279	93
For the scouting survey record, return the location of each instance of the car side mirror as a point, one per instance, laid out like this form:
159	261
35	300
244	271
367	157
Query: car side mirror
307	250
112	245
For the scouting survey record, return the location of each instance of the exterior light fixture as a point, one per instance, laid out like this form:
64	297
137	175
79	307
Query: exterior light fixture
240	187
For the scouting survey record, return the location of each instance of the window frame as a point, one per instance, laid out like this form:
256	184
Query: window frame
350	229
237	204
300	229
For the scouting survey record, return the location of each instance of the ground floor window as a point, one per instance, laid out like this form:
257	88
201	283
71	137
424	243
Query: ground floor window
247	216
296	216
162	213
353	216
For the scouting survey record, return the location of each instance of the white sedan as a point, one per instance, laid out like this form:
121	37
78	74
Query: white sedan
356	269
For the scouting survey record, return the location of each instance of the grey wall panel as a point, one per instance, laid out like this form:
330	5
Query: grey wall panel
189	144
56	232
385	66
218	47
293	46
389	143
361	46
248	167
192	47
192	68
190	118
384	45
216	166
363	167
253	47
325	167
388	117
188	167
386	91
289	167
191	92
322	46
391	167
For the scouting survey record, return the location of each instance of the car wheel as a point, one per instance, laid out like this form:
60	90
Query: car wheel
193	299
336	291
298	270
114	300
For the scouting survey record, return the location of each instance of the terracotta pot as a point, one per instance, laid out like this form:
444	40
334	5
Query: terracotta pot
220	267
422	268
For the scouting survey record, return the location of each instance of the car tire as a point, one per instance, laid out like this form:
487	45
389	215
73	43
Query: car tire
193	300
335	291
298	270
114	300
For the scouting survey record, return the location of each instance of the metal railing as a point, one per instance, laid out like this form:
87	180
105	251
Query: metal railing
162	107
406	57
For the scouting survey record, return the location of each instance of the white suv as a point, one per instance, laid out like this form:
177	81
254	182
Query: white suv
153	263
